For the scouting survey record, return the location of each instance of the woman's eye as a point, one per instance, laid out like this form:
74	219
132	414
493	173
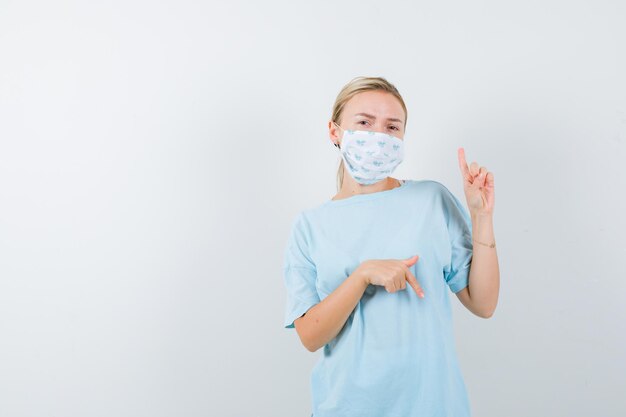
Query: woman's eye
394	127
362	121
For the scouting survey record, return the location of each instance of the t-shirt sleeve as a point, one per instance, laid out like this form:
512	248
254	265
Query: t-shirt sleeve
458	221
299	272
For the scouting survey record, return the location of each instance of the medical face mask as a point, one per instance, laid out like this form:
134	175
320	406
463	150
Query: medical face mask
370	156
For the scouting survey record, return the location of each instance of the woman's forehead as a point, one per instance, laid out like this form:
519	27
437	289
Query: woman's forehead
375	104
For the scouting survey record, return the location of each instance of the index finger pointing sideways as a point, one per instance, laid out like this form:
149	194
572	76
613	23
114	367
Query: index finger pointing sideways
413	283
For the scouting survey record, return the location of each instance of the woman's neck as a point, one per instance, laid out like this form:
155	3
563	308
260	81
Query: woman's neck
351	187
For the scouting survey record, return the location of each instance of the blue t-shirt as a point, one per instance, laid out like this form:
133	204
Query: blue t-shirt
395	356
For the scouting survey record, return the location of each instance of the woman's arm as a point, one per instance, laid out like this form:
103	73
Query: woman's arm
322	322
481	295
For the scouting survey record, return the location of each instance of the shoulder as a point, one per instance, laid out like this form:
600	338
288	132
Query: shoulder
432	187
439	195
304	222
299	221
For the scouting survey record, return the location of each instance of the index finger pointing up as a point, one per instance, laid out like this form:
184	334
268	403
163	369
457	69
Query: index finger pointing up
463	164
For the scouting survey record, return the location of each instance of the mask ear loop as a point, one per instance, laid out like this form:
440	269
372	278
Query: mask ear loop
337	145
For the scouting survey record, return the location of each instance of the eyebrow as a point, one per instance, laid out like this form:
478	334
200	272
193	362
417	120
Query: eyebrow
391	119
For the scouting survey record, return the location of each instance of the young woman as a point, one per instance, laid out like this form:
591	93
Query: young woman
389	349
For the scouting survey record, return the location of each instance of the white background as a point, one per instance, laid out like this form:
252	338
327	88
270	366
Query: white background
154	153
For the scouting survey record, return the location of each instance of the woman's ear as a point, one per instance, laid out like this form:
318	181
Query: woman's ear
333	133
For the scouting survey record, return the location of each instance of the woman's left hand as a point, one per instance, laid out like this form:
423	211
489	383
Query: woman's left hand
478	185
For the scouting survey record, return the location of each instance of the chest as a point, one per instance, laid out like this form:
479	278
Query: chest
340	249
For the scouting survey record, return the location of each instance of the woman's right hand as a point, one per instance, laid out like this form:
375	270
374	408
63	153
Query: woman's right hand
392	274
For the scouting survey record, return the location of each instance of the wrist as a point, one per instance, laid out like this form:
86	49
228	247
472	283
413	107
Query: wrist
481	221
482	230
481	216
361	275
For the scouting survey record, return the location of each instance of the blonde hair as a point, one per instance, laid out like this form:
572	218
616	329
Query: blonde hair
355	86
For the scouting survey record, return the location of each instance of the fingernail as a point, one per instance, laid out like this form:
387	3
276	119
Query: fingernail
422	294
